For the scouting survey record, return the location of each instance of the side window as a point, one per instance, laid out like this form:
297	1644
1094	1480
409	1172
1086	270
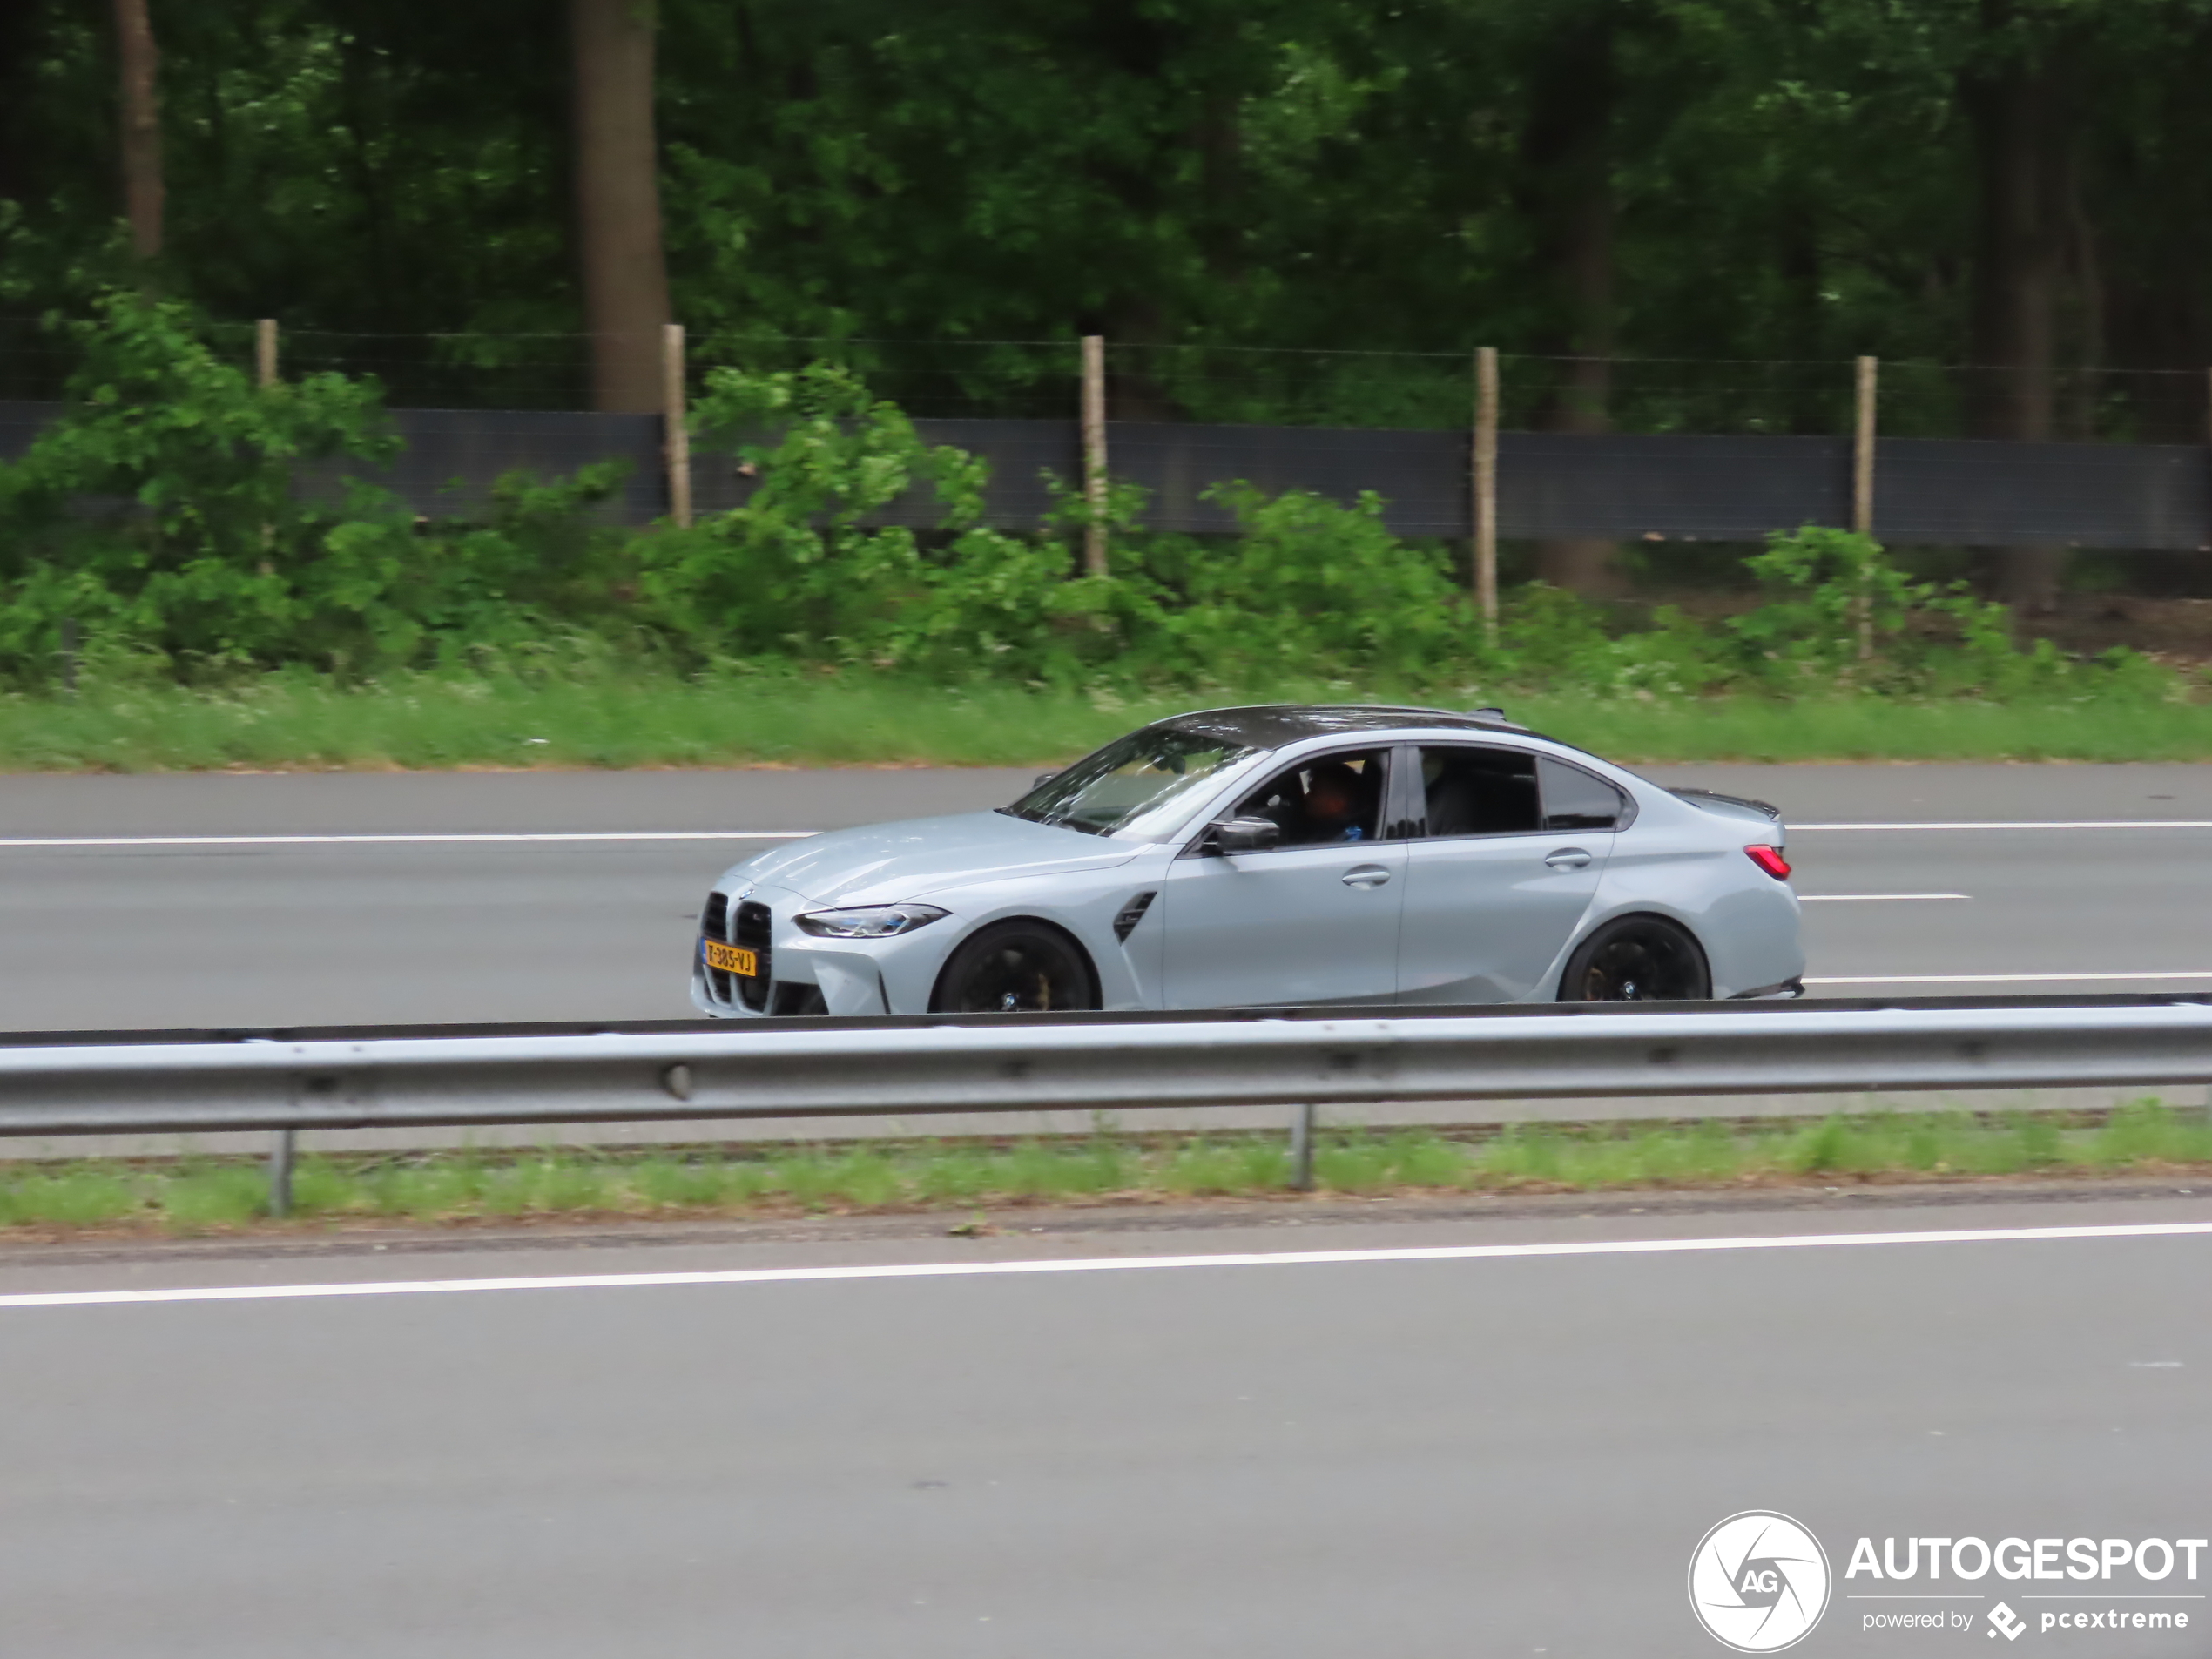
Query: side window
1331	798
1575	800
1479	792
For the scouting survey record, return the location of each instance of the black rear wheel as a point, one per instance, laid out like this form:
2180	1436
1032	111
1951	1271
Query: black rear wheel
1637	959
1016	967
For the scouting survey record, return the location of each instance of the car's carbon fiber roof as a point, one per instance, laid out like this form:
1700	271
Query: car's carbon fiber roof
1271	726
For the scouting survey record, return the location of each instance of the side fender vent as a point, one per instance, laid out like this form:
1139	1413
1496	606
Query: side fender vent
1133	912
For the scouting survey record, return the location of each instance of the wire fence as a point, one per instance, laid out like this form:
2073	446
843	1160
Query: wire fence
1249	385
1649	449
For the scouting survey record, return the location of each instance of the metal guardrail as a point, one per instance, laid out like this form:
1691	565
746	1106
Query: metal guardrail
160	1082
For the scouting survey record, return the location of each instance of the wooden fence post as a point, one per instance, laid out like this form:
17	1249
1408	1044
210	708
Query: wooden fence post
1095	453
1486	489
265	353
1862	494
676	432
1862	455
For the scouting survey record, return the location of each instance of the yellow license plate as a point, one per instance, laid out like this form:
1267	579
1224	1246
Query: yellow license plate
730	959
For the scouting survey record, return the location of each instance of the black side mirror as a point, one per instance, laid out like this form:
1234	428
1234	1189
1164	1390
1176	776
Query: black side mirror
1247	834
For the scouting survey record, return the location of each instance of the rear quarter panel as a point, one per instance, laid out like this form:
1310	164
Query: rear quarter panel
1688	865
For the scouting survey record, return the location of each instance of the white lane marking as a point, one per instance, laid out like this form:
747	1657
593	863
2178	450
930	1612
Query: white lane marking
2035	824
1993	979
1101	1264
23	843
1872	897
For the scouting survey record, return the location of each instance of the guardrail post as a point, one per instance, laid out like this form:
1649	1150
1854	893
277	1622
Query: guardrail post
1302	1149
280	1172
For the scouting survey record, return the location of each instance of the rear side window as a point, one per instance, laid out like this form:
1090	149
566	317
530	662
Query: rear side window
1575	800
1479	792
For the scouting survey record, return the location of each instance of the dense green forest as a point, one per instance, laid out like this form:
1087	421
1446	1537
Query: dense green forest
1685	213
2025	183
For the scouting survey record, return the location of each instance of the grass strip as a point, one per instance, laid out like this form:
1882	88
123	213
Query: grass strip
196	1196
601	718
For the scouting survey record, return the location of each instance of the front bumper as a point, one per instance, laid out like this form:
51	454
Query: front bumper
800	974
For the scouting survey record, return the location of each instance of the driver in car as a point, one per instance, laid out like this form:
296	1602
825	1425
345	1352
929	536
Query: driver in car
1334	804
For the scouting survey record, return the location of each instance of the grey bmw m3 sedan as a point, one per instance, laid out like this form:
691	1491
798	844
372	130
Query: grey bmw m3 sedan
1275	855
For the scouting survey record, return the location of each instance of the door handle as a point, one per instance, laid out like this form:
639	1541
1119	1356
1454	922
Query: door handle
1568	857
1365	875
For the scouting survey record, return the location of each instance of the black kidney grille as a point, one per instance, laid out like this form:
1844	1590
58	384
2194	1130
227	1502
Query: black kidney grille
714	923
754	926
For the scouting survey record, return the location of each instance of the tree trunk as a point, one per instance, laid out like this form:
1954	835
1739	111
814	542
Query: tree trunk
139	68
617	189
2018	116
1568	151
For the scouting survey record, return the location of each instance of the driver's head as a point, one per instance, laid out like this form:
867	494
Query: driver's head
1332	795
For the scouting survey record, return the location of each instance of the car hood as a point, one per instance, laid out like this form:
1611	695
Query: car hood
889	863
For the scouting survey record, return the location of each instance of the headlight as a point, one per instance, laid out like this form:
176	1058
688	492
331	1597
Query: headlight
869	922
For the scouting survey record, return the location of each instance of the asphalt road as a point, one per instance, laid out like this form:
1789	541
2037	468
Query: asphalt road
120	929
1407	1458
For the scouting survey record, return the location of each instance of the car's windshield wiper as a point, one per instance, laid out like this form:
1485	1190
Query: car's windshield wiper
1050	822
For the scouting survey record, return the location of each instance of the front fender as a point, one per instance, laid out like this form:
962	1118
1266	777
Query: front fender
1084	904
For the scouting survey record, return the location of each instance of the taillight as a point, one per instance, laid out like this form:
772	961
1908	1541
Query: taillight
1770	858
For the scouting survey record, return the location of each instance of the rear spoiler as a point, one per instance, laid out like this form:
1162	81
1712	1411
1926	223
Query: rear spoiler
1694	796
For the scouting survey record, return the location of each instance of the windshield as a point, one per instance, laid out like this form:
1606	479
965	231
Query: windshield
1128	779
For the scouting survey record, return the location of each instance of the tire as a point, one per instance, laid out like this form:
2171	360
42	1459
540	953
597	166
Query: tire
1016	967
1637	959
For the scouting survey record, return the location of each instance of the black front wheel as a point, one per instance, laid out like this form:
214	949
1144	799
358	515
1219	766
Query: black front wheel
1637	959
1016	967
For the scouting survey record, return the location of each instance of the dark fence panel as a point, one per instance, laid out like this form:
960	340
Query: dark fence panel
1020	454
1422	477
1965	492
19	424
453	458
1954	492
1669	487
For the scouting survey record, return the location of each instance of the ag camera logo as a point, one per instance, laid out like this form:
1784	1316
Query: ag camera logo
1758	1581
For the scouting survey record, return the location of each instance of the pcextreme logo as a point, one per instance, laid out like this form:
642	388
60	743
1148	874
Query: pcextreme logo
1758	1581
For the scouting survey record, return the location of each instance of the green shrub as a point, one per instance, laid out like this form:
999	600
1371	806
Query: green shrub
181	515
1307	582
195	525
161	511
799	570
